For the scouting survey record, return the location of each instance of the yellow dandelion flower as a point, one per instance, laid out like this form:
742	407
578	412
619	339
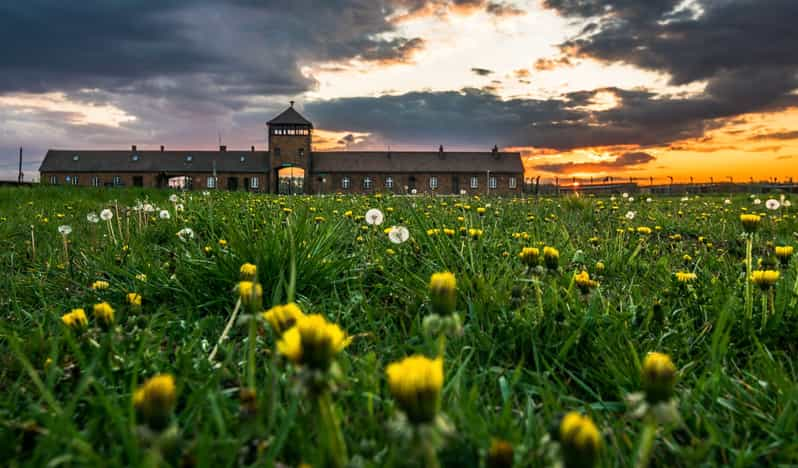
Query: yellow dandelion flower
283	317
644	230
313	342
104	313
248	272
251	294
658	377
765	279
443	292
784	253
583	281
76	319
134	299
551	257
580	439
155	399
685	276
750	222
500	454
415	383
530	256
100	285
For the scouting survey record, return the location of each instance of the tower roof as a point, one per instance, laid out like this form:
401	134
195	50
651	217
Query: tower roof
290	117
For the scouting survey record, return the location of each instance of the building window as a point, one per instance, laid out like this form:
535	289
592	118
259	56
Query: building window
301	153
211	182
253	183
243	159
135	157
76	157
474	182
53	180
367	183
492	182
75	180
276	151
433	182
117	180
389	182
345	182
189	158
511	182
95	181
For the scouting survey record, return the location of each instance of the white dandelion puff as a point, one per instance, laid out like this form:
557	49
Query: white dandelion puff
772	204
164	214
92	218
757	201
398	234
374	217
630	215
173	198
185	234
106	215
65	229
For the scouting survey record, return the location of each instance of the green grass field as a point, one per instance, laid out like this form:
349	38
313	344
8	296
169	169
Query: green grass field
533	344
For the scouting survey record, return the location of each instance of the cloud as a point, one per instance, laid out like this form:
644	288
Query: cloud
785	135
625	161
503	9
546	64
481	71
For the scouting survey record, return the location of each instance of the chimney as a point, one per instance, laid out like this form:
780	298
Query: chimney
253	148
292	103
440	151
162	148
495	152
133	148
222	148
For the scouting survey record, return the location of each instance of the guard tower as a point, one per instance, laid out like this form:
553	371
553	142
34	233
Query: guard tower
289	137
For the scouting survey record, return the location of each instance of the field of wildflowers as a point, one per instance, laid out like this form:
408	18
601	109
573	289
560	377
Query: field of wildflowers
144	328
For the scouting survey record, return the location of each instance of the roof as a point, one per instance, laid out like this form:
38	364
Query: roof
154	161
416	161
290	117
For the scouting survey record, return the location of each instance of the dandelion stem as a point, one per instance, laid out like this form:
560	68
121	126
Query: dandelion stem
764	309
251	352
749	305
539	297
335	438
646	445
430	455
226	330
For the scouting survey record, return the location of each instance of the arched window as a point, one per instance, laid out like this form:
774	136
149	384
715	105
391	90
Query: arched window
346	182
368	184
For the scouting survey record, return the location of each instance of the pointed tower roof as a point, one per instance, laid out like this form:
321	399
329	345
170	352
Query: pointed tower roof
290	117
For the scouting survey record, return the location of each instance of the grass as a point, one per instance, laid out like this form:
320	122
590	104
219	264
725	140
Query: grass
509	375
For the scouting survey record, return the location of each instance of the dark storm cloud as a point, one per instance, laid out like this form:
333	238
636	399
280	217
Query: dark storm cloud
786	135
625	161
481	71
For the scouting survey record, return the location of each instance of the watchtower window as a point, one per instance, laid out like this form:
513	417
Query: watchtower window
301	153
276	151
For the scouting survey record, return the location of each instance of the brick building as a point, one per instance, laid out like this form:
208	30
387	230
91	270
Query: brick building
290	166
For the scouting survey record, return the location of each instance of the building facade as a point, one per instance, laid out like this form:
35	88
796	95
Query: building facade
291	166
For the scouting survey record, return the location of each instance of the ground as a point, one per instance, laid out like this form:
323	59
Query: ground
533	342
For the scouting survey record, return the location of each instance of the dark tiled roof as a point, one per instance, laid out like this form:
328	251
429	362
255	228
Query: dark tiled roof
290	117
415	161
154	161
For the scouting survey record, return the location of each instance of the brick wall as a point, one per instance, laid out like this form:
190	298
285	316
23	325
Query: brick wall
447	183
289	146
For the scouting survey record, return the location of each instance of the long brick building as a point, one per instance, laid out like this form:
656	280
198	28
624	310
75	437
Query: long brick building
290	166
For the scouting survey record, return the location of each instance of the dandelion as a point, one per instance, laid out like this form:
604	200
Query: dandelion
765	279
772	204
141	277
580	440
185	234
750	222
685	277
92	218
283	317
248	272
398	234
222	243
100	285
583	281
173	198
783	253
154	401
630	215
658	377
106	214
75	319
644	230
475	233
164	214
530	256
134	300
443	293
415	383
600	266
313	342
757	201
551	257
500	454
104	313
481	211
727	202
65	230
374	217
251	294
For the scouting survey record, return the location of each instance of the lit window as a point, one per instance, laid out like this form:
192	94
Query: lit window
389	182
243	159
75	157
511	182
53	180
253	182
189	158
492	182
474	182
211	182
433	182
117	180
135	157
75	180
345	182
301	153
68	179
95	181
367	183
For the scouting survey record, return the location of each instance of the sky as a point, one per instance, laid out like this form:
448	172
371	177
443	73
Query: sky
582	88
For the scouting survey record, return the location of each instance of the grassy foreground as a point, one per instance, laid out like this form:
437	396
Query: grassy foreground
533	344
